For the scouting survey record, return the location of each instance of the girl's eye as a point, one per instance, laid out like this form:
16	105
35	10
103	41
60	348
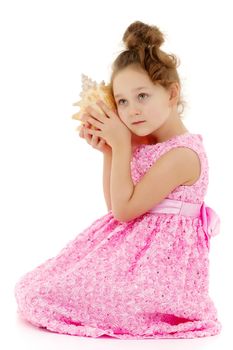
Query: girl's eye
119	102
141	94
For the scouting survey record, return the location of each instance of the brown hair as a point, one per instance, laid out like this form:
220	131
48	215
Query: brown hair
143	43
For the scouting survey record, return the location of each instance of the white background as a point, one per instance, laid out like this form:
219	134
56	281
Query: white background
51	180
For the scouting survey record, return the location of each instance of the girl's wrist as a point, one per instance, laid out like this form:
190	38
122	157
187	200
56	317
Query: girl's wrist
108	153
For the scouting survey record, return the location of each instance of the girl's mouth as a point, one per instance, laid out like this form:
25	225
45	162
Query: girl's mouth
138	122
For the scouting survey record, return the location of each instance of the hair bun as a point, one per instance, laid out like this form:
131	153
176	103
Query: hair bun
141	34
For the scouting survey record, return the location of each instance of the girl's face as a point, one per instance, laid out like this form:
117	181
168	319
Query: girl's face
138	99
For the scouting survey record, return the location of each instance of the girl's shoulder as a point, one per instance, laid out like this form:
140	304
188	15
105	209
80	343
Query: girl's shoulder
185	138
145	155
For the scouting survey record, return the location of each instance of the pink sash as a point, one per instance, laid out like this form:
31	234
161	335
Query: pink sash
210	219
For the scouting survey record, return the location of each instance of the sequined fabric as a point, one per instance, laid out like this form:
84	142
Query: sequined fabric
145	278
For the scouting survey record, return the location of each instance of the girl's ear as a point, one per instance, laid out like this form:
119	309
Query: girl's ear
174	90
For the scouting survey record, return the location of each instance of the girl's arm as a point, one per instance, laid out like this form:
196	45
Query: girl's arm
174	168
107	162
121	183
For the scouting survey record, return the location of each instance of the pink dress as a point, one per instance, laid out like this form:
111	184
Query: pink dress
145	278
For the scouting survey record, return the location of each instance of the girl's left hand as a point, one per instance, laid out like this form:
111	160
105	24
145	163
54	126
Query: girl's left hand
111	128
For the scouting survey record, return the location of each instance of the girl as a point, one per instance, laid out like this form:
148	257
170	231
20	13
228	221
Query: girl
141	270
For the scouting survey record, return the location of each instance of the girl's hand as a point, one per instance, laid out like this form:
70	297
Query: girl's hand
95	141
109	126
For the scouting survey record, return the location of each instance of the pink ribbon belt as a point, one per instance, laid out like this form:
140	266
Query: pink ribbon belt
210	219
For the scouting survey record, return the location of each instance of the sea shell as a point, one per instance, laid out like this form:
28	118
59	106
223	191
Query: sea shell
91	92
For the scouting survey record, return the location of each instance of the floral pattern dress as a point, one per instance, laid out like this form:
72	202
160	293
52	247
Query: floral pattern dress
144	278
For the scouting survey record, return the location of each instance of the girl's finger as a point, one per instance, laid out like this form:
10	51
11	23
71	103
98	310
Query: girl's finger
101	143
87	136
81	132
94	140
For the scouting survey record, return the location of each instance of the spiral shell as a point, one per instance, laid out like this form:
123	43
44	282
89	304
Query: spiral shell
91	92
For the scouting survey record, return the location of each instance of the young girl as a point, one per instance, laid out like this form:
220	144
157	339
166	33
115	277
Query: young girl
141	270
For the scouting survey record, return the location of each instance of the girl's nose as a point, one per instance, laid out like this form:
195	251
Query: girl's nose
135	111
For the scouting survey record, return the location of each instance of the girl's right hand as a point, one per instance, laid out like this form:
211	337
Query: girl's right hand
95	141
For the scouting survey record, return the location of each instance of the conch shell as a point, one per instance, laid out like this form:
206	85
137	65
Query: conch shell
91	92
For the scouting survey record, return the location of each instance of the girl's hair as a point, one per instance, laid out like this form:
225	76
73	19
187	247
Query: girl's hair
143	43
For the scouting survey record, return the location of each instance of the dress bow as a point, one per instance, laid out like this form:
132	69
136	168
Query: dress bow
210	221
